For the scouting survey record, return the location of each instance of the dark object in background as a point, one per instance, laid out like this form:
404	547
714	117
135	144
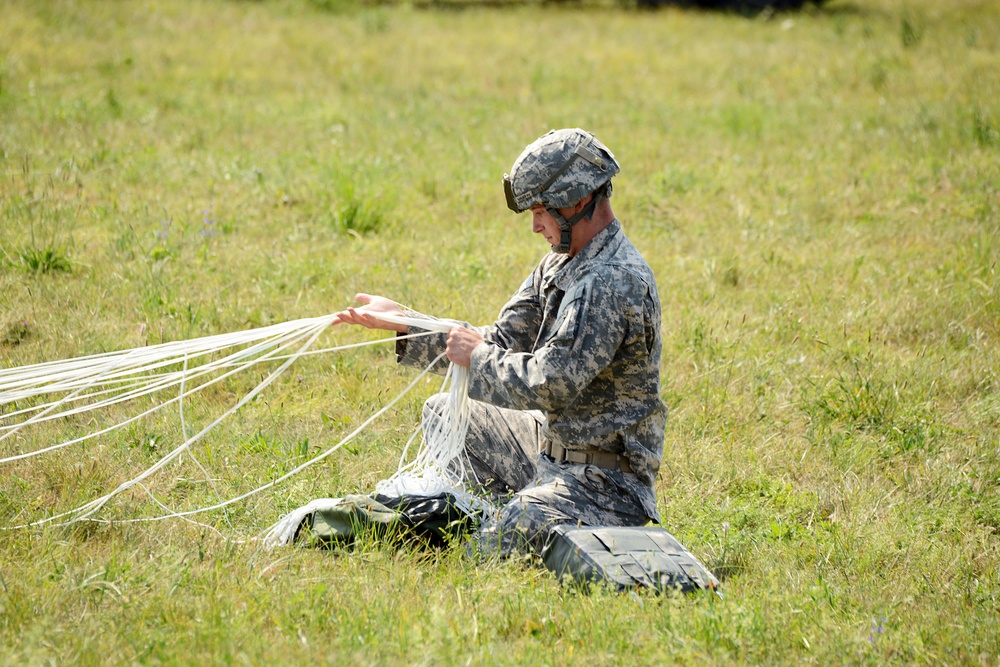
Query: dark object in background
740	6
625	558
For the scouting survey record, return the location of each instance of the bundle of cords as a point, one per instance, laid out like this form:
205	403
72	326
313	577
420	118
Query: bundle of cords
98	381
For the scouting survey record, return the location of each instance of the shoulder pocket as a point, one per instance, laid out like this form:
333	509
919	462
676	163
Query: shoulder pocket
573	311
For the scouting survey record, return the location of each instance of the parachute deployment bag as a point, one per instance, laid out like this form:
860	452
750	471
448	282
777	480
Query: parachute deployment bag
434	519
647	557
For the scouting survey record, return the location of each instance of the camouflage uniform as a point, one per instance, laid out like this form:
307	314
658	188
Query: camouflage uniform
574	358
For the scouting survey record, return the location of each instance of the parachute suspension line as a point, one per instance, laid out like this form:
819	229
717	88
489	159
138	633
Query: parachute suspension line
438	466
265	357
158	502
175	378
87	510
64	375
409	478
180	400
129	383
316	459
160	351
134	366
150	386
184	434
105	370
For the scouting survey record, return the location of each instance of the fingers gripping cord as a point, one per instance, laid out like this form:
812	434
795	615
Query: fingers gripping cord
100	381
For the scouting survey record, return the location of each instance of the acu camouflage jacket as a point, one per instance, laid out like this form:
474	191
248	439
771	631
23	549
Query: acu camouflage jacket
579	341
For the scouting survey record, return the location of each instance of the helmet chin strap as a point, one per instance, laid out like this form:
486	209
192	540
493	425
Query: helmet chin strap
566	226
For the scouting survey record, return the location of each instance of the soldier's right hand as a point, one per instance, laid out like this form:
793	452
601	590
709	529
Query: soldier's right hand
367	314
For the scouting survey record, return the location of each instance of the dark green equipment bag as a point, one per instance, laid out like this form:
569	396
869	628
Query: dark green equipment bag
433	519
644	557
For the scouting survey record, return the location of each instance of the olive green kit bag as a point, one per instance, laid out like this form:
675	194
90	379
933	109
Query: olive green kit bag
624	558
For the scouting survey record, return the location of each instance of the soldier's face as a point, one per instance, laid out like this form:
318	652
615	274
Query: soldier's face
544	224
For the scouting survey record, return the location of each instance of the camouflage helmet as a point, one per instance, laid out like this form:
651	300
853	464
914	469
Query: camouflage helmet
557	171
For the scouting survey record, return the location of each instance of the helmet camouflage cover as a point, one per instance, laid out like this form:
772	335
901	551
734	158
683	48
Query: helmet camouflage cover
557	171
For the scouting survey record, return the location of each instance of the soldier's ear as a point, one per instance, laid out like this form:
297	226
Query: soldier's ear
580	205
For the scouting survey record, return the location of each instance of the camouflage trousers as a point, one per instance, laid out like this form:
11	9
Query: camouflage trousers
504	465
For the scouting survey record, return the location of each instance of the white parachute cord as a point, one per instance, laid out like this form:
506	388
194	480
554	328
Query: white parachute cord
184	434
172	378
244	366
157	501
67	443
180	400
107	369
69	368
457	424
41	417
148	379
406	447
122	386
439	467
88	509
434	429
176	377
319	457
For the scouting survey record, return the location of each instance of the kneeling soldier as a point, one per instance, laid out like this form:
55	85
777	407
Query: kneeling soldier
567	422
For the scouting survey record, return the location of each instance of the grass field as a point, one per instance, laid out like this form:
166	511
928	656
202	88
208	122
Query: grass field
818	194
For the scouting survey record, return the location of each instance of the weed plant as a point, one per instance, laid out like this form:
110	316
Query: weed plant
817	192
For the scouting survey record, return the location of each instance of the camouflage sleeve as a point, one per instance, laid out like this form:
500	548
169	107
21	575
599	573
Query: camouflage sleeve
515	329
419	352
591	325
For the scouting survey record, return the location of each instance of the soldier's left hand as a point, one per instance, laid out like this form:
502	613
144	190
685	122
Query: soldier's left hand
461	343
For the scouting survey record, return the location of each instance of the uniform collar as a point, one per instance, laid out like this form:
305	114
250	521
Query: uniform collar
605	242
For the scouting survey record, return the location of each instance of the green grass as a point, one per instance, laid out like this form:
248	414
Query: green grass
818	194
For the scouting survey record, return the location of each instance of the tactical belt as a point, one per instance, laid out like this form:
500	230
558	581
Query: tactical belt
598	458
